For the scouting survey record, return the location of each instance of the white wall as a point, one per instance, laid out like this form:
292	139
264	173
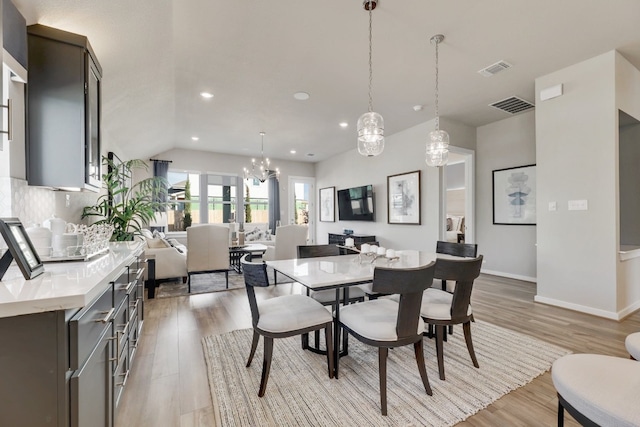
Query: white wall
404	152
204	161
577	152
509	250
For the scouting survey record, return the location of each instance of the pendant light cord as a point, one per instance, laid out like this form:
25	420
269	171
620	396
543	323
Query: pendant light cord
370	61
437	115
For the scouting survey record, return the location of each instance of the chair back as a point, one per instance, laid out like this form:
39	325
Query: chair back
208	248
468	250
288	238
410	284
463	272
314	251
255	274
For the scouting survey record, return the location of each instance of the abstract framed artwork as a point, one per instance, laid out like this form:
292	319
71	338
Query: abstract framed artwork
327	204
403	198
514	195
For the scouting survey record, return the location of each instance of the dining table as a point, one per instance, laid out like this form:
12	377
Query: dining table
343	271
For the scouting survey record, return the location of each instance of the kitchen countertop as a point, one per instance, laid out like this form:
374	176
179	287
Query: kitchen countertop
64	285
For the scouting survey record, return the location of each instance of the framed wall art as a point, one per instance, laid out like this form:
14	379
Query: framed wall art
514	196
403	198
327	204
20	249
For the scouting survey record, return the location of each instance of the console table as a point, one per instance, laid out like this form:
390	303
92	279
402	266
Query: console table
338	239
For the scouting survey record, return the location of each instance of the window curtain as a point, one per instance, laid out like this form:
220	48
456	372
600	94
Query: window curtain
161	170
274	203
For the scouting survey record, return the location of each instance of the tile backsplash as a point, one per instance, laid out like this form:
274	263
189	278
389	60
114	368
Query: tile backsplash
33	205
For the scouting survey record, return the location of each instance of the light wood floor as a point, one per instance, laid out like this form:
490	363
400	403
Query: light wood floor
168	385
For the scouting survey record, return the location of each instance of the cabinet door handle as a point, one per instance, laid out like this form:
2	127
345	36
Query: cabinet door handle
9	131
107	316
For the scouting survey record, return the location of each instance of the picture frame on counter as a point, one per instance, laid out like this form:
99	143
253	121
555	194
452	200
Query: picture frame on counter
20	249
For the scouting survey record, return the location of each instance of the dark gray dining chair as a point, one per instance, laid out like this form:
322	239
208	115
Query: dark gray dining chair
466	250
282	317
385	323
441	308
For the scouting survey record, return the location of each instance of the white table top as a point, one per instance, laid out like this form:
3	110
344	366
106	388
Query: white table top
63	285
330	272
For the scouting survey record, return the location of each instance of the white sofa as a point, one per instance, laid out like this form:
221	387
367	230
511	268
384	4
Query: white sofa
170	256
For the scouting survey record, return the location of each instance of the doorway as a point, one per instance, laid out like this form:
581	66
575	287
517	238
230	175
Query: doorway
458	205
301	204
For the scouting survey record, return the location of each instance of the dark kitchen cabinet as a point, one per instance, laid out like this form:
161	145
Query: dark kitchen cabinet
63	105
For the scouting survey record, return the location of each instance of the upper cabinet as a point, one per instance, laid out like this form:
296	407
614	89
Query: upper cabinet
63	119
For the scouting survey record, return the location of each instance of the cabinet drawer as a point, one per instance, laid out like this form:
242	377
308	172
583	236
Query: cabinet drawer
121	327
121	287
134	335
86	327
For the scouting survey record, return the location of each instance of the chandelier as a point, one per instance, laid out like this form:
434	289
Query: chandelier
261	171
370	124
438	144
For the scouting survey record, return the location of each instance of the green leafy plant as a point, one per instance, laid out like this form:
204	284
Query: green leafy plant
247	206
127	206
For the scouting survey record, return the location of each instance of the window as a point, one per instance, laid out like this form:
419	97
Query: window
184	200
256	201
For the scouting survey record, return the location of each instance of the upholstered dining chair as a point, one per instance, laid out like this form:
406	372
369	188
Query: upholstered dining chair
632	344
385	323
597	390
288	238
466	250
441	308
207	251
281	317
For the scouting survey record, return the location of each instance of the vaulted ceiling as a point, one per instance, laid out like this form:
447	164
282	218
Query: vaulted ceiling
159	55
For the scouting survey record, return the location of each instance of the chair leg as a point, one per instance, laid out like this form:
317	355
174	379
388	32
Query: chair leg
382	362
328	337
467	337
316	336
440	330
189	283
560	414
254	345
226	278
304	338
266	365
275	277
419	351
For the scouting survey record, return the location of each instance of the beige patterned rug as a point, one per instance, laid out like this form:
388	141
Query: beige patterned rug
299	392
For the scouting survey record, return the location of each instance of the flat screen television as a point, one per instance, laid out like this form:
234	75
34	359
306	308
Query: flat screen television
356	204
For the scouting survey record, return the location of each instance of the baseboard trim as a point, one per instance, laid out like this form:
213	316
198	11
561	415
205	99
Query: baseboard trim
510	276
629	310
577	307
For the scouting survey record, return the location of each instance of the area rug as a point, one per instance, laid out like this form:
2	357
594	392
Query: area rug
204	283
299	392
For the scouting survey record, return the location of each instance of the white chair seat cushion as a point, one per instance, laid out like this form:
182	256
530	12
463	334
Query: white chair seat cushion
602	388
328	296
290	313
375	320
632	343
436	304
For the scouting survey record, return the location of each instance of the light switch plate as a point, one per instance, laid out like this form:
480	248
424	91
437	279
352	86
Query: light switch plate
578	205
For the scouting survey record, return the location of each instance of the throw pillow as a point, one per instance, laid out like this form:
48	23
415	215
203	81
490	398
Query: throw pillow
158	234
146	233
449	224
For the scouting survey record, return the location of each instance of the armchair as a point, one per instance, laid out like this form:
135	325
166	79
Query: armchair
289	237
208	252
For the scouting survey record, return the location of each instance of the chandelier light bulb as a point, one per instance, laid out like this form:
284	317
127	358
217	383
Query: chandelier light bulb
437	149
261	171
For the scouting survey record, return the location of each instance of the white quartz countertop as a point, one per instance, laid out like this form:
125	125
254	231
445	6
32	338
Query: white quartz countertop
64	285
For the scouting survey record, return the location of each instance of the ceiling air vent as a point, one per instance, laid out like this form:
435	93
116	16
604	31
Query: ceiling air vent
494	68
512	105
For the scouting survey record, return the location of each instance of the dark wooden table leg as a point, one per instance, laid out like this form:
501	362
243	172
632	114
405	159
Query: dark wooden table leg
150	284
336	336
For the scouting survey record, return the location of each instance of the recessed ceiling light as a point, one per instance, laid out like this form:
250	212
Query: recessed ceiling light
293	151
301	96
344	124
206	95
195	138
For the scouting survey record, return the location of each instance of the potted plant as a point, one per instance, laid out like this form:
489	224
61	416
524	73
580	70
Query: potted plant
127	206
